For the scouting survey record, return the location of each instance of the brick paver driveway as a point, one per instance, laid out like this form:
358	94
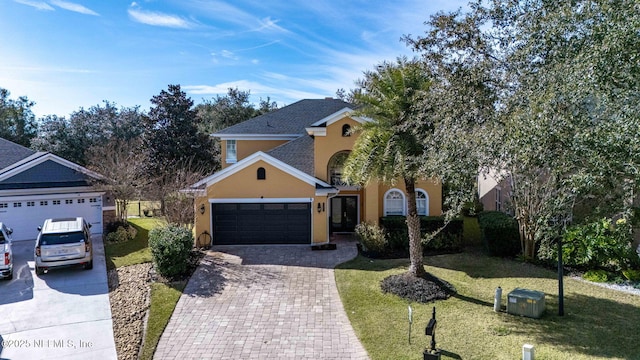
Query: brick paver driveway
263	302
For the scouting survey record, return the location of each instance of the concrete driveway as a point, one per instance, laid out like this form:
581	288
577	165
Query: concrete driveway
263	302
62	314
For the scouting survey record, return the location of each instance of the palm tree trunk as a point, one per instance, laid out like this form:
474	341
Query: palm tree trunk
413	227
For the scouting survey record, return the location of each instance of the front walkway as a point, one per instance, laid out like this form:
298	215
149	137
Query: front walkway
263	302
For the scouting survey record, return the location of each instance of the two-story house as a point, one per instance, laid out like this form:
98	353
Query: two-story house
281	180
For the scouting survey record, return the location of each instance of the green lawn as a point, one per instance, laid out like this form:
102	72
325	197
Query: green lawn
135	251
164	298
599	323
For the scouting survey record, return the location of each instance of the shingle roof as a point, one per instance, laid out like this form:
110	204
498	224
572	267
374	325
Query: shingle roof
297	153
11	153
291	119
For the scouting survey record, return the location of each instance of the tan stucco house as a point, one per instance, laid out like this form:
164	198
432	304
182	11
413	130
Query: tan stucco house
281	180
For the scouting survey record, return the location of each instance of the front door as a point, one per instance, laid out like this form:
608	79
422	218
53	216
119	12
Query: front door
344	213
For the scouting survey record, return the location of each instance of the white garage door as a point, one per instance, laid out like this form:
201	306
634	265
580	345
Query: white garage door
25	214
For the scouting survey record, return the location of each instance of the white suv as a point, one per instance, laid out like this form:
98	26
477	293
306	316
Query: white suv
63	242
6	262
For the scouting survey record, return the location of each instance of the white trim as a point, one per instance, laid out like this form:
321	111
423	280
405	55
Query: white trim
404	202
47	191
252	159
339	115
107	208
257	136
23	161
259	200
316	131
34	160
59	196
327	192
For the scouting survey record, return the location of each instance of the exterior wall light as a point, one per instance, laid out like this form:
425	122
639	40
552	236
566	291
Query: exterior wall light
202	208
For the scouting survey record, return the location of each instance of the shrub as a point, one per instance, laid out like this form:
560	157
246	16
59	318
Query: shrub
598	275
171	248
600	244
631	275
450	238
122	234
500	233
372	237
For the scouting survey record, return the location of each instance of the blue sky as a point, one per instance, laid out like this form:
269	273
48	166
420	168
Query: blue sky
70	54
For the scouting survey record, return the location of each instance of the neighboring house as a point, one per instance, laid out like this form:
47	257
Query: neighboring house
35	186
281	180
494	192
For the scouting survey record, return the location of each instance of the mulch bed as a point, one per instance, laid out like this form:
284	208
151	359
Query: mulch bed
419	289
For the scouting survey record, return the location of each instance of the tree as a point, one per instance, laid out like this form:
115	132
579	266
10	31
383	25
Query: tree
386	149
119	162
94	127
171	135
561	79
17	122
233	108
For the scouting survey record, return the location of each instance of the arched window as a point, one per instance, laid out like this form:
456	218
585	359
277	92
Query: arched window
422	202
394	203
346	130
335	167
262	174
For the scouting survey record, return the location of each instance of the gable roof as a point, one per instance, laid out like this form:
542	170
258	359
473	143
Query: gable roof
289	120
44	170
11	153
319	185
297	153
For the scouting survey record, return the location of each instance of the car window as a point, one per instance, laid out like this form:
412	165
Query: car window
66	238
1	237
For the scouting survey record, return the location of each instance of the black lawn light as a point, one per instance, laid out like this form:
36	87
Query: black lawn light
432	353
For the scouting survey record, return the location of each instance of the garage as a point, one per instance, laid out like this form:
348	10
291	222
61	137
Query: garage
261	223
35	186
24	214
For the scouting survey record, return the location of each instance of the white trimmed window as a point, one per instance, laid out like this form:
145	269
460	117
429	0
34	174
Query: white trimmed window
422	202
394	203
498	199
232	154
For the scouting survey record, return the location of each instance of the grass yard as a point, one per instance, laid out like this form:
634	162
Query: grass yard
135	251
164	298
137	208
599	323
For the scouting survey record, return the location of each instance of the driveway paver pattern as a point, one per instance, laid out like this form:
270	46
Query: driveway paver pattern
263	302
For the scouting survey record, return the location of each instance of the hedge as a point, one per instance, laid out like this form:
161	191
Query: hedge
449	239
500	234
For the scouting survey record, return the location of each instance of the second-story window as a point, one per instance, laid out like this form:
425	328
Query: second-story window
336	166
262	174
232	154
346	130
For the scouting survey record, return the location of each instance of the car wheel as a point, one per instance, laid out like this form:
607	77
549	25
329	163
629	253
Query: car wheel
39	270
10	275
89	265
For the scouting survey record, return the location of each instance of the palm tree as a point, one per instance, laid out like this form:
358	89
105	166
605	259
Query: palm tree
387	149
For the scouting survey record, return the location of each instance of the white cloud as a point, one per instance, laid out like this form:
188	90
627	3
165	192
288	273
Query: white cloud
157	19
267	24
74	7
228	54
39	5
276	93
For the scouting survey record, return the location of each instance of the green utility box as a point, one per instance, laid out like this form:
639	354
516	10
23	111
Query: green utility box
524	302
